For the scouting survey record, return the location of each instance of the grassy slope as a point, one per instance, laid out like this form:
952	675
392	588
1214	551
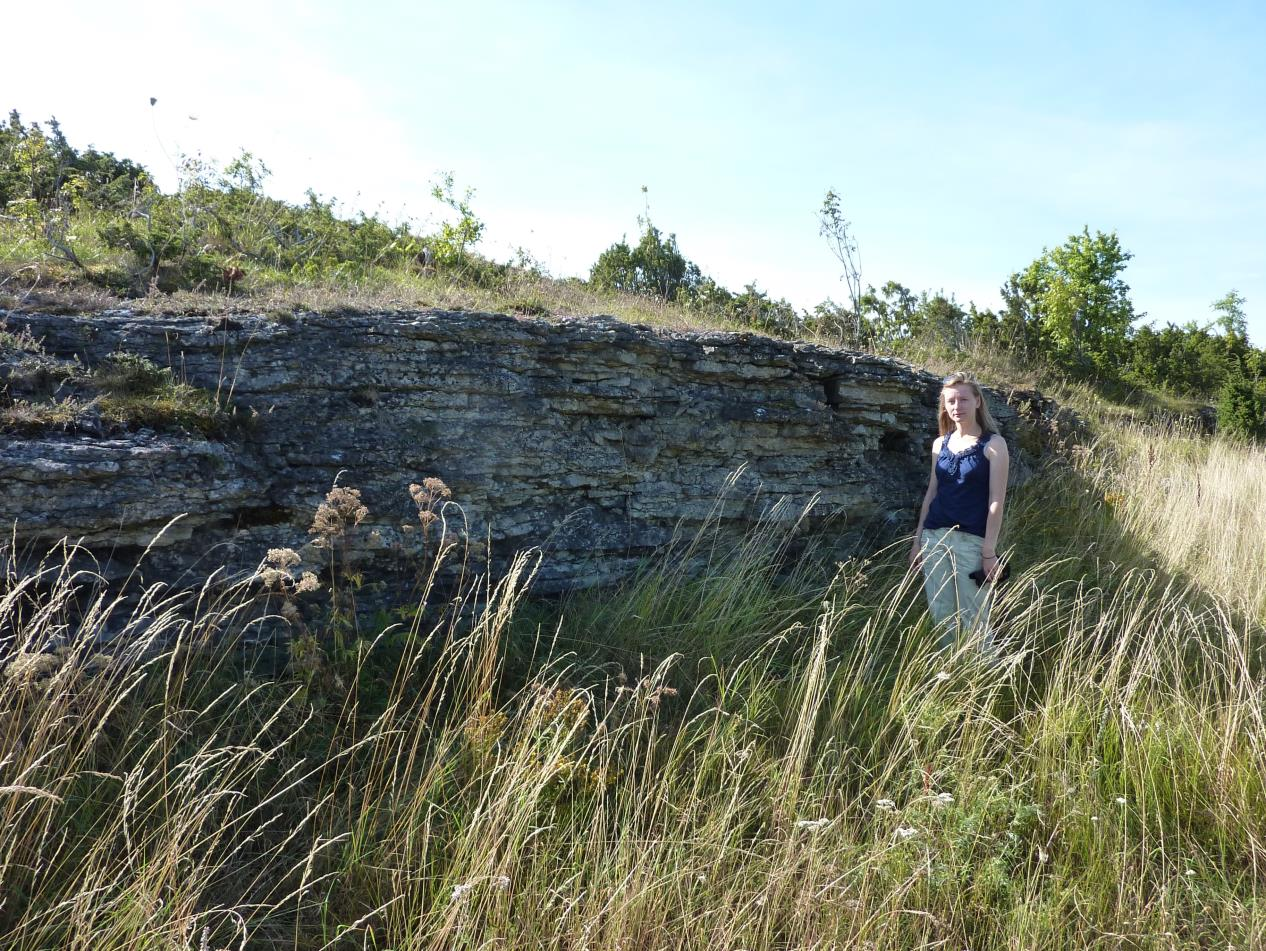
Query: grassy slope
747	759
31	279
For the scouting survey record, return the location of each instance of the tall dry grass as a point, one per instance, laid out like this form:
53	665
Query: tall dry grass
1200	503
473	781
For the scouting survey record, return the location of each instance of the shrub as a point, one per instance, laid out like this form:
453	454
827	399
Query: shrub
654	268
1242	408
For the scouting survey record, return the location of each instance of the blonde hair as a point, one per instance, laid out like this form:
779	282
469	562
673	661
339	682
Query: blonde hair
983	417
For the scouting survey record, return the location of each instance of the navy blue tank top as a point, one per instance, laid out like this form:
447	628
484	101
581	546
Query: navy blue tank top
962	488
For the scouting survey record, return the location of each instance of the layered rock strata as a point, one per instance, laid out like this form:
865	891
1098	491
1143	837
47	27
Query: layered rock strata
589	437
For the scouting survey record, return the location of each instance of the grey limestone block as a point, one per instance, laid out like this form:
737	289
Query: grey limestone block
594	439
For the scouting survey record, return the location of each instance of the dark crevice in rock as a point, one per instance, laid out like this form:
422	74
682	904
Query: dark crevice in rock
831	392
894	441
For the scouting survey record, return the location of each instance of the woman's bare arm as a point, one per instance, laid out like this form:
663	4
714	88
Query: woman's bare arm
999	465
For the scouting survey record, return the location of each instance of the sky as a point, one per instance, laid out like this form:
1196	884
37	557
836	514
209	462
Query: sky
963	139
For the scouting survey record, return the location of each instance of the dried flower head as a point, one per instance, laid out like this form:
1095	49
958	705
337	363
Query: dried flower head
27	667
427	498
437	488
275	579
342	510
307	582
283	558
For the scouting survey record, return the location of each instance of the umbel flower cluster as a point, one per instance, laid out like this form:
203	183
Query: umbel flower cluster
341	511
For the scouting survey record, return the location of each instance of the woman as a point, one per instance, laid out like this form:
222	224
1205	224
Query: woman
962	513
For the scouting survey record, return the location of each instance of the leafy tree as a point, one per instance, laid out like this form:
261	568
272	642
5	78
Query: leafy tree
42	167
1230	310
1075	296
1186	360
455	236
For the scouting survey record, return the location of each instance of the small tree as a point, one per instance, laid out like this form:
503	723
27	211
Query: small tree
455	236
1075	295
1230	310
837	230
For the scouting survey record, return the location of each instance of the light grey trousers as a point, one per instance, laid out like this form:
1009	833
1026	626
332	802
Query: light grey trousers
959	607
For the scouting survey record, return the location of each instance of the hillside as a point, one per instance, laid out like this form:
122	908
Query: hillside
761	754
397	712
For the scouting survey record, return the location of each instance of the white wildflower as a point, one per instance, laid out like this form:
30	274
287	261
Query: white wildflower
906	832
813	825
1190	872
942	676
1042	856
885	805
1094	818
1120	800
944	799
460	891
502	882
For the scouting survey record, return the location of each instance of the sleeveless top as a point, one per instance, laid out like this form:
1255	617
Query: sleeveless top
962	488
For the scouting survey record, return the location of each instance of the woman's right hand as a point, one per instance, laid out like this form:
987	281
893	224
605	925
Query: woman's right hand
916	551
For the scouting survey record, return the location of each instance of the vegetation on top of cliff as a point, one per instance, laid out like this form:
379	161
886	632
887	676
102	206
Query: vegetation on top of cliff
81	229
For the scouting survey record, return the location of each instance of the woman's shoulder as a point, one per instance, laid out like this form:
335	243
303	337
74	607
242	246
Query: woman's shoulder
937	443
995	445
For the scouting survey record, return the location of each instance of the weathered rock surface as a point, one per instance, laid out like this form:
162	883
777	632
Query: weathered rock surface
587	436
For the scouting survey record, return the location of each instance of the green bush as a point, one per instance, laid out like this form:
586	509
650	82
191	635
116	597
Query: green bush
1242	408
655	267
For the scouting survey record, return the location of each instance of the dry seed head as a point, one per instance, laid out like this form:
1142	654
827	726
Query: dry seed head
437	488
274	578
283	558
29	666
307	582
341	510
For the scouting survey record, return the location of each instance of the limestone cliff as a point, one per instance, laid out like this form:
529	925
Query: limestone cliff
590	437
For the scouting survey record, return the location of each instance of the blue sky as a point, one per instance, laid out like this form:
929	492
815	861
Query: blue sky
963	138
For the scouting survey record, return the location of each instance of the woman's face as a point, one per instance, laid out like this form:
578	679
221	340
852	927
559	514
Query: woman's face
960	402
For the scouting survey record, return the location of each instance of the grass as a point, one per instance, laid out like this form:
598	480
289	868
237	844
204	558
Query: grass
40	394
736	747
33	280
759	756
